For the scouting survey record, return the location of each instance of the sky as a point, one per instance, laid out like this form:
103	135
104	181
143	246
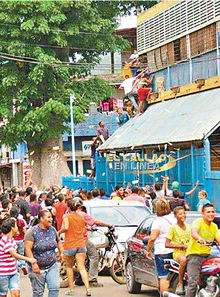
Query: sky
128	22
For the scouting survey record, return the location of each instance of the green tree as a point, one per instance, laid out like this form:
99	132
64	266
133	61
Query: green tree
36	40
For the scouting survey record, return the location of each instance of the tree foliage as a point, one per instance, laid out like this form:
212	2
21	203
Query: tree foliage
36	40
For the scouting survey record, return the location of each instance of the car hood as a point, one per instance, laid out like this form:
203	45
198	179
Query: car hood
124	233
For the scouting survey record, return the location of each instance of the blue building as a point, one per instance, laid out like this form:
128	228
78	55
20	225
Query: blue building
178	137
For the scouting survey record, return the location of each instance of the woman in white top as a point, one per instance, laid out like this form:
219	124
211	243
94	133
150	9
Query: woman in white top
157	240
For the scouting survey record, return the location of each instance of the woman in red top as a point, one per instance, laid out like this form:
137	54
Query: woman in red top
143	93
74	228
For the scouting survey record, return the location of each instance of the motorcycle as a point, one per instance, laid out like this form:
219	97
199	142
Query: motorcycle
209	278
111	256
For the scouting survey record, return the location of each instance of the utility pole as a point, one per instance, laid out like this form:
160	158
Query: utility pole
72	98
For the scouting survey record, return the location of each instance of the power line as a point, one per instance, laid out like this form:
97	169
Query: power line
76	32
76	65
30	59
62	47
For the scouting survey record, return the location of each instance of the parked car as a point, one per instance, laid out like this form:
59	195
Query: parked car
139	269
124	215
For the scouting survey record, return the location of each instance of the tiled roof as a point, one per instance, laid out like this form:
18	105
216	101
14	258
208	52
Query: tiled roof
90	126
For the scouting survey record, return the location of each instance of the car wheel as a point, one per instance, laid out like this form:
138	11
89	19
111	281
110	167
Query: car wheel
132	286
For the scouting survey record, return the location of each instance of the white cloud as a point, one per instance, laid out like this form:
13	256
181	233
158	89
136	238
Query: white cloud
128	22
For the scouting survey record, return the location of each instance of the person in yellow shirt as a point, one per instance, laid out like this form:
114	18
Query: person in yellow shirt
178	237
203	231
119	193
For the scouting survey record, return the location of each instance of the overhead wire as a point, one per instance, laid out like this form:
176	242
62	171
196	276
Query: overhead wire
76	32
62	47
58	63
74	66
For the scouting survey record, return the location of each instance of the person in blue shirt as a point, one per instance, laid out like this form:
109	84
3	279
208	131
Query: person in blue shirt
123	117
103	195
202	200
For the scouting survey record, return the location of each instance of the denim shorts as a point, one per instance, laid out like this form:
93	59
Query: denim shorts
74	251
9	282
159	263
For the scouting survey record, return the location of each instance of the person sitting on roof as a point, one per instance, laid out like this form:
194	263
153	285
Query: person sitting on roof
123	117
129	107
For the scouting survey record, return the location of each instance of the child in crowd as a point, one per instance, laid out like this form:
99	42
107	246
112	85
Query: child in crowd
178	238
202	200
9	277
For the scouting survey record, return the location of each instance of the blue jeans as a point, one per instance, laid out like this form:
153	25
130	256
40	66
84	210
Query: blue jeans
20	250
9	282
50	276
74	251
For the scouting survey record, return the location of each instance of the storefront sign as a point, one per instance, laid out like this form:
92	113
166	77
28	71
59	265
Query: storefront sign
135	163
86	148
27	175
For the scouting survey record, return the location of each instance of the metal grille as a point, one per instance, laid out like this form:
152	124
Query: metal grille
185	17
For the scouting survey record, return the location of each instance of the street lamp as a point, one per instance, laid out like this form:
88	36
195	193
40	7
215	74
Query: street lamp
72	98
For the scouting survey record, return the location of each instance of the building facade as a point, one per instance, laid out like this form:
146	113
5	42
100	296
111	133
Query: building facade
178	136
180	41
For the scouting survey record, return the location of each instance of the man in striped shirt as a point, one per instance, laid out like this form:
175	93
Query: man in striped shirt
9	277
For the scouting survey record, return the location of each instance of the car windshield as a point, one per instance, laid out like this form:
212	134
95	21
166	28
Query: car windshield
120	215
191	218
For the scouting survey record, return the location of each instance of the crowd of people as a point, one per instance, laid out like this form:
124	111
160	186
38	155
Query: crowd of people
32	224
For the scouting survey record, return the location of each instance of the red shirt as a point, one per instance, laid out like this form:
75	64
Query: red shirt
61	208
142	93
21	224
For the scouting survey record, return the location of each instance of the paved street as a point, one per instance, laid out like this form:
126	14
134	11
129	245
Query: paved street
110	289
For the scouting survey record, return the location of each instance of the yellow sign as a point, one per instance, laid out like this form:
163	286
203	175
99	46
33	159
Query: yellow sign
135	163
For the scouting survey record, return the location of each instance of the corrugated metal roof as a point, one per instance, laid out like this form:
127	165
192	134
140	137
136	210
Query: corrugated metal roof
187	118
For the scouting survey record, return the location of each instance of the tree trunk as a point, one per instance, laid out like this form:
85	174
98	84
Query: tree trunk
34	154
48	164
